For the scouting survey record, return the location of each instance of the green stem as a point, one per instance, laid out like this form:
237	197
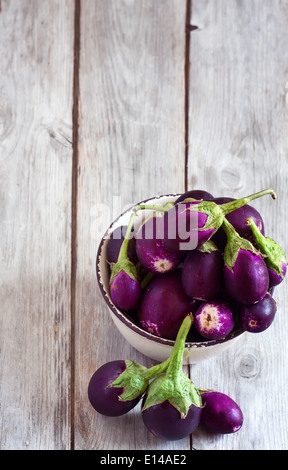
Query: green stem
123	253
233	205
176	357
154	207
156	370
145	281
229	229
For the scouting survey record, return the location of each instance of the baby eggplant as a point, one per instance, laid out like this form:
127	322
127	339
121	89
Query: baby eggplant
164	305
150	248
258	317
114	244
245	274
202	272
220	414
198	194
125	287
172	406
214	319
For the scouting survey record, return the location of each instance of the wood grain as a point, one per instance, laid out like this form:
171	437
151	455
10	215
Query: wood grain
131	146
36	49
238	145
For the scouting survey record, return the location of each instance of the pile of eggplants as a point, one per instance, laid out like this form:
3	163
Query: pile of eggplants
202	255
196	269
172	406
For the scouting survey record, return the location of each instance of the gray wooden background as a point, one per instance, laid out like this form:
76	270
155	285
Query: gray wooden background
103	104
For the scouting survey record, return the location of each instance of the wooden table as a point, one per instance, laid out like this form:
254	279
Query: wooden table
104	104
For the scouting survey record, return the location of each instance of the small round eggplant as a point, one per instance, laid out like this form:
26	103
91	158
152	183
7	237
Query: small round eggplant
258	317
214	320
245	274
105	399
125	291
114	244
220	414
124	285
172	405
150	249
237	218
202	271
164	421
164	305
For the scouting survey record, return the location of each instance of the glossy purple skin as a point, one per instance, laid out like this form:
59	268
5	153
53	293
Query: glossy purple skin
238	218
198	194
114	244
106	400
249	280
181	228
125	292
201	274
258	317
214	320
220	413
164	421
274	278
164	305
150	248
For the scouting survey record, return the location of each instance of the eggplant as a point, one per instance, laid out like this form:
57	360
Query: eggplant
190	223
274	256
172	406
124	283
202	272
238	218
258	317
220	413
150	249
245	274
214	319
164	305
114	245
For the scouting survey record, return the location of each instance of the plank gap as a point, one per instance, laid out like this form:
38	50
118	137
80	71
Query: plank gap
186	87
74	195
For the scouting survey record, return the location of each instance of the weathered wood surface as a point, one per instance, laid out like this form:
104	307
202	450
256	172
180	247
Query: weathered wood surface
97	102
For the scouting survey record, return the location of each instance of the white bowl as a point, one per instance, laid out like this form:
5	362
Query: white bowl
154	347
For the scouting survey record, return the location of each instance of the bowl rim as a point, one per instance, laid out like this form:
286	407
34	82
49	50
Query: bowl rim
124	318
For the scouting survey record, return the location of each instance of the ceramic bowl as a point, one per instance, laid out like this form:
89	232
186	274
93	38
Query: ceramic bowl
154	347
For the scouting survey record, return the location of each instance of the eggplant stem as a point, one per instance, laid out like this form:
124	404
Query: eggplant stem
233	205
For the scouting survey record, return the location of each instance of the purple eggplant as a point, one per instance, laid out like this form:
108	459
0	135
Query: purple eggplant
172	405
274	256
114	244
238	218
190	223
198	194
245	274
117	386
202	272
105	399
125	286
220	414
164	305
258	317
150	248
214	319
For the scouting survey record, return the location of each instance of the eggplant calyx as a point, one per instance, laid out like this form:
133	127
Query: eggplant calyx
208	247
213	211
135	379
273	253
235	243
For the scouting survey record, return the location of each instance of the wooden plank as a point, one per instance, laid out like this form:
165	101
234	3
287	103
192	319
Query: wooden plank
238	145
36	76
131	147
